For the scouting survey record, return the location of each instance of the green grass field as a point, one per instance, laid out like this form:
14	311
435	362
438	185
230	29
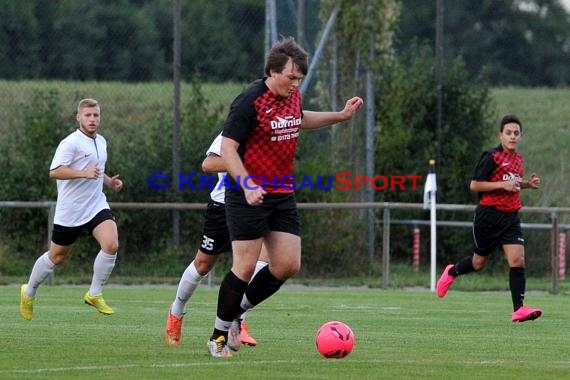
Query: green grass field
399	335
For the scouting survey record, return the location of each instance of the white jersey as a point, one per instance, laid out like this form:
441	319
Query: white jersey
218	194
79	200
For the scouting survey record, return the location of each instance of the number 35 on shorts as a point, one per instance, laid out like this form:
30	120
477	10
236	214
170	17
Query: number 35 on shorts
207	243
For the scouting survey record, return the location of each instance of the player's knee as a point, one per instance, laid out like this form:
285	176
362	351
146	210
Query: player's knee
57	256
203	267
295	268
110	247
478	262
478	266
287	271
57	259
517	262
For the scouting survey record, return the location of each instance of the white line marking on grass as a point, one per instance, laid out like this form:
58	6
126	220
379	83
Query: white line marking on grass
368	307
166	365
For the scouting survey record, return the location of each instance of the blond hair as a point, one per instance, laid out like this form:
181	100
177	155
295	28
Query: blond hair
87	103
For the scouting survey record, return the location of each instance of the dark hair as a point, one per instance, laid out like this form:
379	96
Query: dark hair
507	119
279	55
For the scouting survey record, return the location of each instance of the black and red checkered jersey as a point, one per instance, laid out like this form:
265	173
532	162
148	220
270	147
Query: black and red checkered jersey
497	165
267	128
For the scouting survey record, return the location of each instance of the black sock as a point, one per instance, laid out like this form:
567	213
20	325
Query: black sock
217	333
229	300
517	284
262	286
464	266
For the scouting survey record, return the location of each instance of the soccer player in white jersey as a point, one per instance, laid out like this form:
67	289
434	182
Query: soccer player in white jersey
78	167
215	240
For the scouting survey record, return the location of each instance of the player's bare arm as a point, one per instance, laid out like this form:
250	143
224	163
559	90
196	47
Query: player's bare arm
234	166
315	119
213	164
64	172
484	186
113	182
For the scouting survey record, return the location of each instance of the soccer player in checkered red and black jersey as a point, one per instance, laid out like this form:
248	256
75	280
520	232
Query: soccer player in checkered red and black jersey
498	178
258	147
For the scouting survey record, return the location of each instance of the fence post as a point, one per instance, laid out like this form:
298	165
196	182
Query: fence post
562	255
212	277
386	248
176	134
51	214
554	251
416	249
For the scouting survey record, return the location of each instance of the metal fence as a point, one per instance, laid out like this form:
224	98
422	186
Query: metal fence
554	213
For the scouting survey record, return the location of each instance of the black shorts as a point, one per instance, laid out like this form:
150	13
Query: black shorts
278	212
65	236
493	228
215	235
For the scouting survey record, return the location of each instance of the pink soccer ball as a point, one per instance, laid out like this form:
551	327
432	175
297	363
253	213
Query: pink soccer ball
335	340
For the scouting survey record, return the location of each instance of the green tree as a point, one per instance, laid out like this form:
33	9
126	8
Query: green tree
406	115
67	39
112	40
408	137
18	40
224	40
514	42
28	150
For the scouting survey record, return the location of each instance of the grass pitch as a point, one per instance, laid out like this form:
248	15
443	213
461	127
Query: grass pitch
399	335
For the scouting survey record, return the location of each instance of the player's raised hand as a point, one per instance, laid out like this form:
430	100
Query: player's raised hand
351	106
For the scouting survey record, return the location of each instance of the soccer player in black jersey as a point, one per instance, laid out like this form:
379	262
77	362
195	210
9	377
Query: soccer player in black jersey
258	147
498	178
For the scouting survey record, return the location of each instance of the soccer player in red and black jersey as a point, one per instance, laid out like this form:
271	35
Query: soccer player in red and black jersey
258	147
498	178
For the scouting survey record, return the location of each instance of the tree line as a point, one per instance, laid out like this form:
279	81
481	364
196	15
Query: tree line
128	40
509	41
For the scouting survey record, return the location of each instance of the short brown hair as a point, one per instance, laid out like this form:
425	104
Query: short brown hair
279	55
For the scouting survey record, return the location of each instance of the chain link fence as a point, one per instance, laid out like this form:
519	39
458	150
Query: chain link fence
123	53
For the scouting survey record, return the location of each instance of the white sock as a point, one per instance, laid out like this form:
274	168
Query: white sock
43	267
258	266
222	325
186	287
102	268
